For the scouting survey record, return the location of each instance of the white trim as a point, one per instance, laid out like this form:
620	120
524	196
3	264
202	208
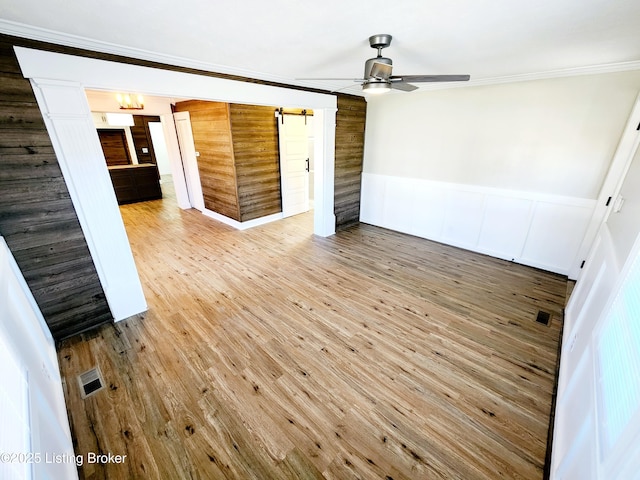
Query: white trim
38	339
74	138
36	33
613	182
242	225
528	77
25	336
324	146
175	160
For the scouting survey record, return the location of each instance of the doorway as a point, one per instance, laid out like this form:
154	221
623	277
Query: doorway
596	346
59	80
295	163
189	160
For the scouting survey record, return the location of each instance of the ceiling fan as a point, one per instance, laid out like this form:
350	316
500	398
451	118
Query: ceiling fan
377	72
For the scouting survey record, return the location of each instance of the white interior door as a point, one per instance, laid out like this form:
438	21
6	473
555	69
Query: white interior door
294	164
189	159
597	421
33	416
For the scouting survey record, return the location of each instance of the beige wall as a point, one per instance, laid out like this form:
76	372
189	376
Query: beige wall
553	136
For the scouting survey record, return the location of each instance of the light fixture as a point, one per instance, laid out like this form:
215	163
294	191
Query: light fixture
128	101
376	88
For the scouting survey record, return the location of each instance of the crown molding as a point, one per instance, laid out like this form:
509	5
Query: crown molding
51	36
546	75
45	35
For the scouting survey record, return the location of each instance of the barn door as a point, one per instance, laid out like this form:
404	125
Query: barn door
294	164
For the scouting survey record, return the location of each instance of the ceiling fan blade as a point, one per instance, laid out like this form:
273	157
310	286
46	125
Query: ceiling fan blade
381	71
431	78
405	87
327	78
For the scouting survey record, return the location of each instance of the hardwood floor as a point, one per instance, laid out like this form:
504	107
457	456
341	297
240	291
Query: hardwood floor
275	354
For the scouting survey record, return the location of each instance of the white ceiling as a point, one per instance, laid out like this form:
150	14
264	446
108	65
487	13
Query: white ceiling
283	40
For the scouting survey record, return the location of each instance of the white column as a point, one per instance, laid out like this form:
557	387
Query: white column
75	140
324	124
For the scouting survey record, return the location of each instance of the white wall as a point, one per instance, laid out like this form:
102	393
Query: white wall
160	148
519	143
553	136
33	415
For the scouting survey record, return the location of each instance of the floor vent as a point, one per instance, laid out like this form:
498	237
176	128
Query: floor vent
543	317
90	382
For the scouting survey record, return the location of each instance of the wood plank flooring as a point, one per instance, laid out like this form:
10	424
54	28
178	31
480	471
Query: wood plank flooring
275	354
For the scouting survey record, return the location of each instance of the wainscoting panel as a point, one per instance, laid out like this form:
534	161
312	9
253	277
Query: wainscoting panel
398	196
539	230
463	218
555	234
505	226
428	212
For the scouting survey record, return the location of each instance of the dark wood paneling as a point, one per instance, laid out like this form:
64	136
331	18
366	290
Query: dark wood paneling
350	125
257	158
114	146
37	218
212	140
135	183
142	138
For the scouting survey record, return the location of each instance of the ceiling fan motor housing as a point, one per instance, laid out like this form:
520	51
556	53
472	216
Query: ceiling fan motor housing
369	65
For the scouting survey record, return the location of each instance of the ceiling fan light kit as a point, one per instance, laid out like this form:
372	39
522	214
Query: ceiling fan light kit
377	72
376	88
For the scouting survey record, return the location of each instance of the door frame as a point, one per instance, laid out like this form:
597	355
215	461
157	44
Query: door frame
620	163
284	171
189	161
59	81
594	290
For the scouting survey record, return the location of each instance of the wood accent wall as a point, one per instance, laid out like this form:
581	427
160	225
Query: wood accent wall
255	145
350	126
239	159
37	218
212	139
